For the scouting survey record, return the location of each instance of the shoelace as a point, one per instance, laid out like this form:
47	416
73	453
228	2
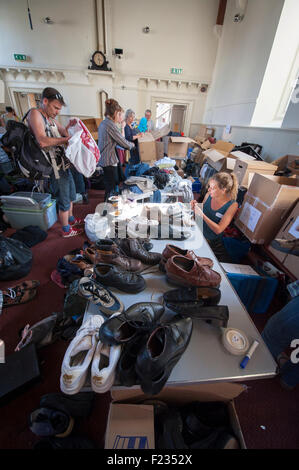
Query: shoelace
141	323
99	293
11	294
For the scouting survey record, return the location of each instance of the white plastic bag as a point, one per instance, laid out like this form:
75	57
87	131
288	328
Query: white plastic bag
82	149
96	226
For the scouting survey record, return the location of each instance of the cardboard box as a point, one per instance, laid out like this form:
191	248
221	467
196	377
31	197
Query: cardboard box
218	156
177	396
221	149
283	162
242	169
177	146
159	133
265	206
147	148
289	231
204	133
130	426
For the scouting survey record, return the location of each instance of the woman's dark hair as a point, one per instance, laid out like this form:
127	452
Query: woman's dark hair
52	94
9	109
112	107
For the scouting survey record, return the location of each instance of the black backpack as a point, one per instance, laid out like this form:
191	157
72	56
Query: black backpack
29	157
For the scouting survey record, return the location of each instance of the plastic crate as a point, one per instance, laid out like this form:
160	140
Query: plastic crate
256	292
43	218
27	200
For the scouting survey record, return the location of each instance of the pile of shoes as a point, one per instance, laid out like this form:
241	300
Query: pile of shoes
128	254
132	347
185	268
54	421
198	425
151	347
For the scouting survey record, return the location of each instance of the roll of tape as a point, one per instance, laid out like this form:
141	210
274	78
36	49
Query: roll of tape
235	341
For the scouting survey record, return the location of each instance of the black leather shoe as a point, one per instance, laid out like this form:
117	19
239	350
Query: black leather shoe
161	352
206	295
125	371
114	276
217	315
134	248
169	427
137	320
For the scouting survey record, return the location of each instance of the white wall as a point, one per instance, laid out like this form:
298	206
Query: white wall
181	36
241	62
69	42
276	142
282	69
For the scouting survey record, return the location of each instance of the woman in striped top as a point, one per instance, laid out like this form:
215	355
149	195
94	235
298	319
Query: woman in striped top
108	137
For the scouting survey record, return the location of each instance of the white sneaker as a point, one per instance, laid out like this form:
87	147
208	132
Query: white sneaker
78	356
103	367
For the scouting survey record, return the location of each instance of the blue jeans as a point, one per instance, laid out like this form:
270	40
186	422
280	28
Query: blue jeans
63	189
280	330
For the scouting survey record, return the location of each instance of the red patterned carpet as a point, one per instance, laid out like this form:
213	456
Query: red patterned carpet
268	414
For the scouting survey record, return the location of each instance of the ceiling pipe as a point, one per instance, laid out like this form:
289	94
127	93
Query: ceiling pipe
220	18
100	45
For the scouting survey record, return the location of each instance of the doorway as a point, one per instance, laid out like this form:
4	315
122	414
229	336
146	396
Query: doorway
25	101
171	114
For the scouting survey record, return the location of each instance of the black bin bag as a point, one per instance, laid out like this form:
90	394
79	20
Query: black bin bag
15	259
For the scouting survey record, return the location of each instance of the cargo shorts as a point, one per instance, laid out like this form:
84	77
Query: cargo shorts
63	189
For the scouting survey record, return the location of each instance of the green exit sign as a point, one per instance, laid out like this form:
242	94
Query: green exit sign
21	57
176	71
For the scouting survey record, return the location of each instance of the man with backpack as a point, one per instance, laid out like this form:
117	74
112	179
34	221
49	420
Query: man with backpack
52	138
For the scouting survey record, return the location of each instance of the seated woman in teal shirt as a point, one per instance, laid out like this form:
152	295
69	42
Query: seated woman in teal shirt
219	209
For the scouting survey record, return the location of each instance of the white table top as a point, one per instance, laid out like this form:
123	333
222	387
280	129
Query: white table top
205	359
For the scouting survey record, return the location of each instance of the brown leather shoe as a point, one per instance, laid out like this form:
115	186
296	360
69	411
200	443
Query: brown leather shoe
172	250
133	247
114	256
81	263
187	272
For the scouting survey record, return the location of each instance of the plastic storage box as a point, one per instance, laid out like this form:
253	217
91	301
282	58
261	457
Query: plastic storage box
26	200
20	217
256	292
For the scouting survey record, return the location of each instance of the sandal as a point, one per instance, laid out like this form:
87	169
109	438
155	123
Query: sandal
27	285
15	296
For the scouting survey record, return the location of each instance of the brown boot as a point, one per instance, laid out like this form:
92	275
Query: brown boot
133	247
118	259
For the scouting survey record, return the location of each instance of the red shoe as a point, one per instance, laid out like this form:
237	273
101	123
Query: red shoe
73	232
77	222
